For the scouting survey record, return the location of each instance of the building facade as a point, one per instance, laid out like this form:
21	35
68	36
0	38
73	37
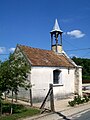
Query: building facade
51	67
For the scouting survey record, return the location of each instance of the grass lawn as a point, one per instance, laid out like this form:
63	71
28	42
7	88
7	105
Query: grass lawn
19	111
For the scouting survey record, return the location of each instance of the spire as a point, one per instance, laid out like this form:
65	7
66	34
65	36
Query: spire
56	44
56	27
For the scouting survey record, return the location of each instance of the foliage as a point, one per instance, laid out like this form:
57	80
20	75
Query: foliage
86	98
85	63
19	111
29	112
6	107
78	100
4	76
14	74
4	85
72	103
19	70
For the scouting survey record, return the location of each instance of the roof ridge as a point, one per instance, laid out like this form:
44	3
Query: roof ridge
33	47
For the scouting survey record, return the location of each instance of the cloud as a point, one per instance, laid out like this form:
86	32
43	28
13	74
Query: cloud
76	34
2	49
12	49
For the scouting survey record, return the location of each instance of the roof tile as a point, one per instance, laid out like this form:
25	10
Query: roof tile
40	57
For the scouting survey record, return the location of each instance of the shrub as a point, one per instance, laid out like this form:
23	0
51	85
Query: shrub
86	98
78	100
89	96
82	101
72	103
6	109
17	108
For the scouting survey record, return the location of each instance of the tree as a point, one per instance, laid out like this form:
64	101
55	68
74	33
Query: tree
85	63
4	77
19	69
14	74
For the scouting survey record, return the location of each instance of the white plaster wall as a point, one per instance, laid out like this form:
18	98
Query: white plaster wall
67	82
80	81
41	77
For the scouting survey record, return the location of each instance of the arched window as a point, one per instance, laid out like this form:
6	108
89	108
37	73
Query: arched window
56	76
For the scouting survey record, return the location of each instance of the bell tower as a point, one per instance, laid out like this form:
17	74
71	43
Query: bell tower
56	38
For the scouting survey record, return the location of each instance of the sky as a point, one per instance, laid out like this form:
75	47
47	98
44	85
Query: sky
29	22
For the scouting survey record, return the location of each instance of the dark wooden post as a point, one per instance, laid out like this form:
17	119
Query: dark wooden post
30	91
51	98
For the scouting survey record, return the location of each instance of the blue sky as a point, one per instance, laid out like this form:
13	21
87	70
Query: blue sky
29	22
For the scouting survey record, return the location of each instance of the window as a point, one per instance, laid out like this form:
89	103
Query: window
56	76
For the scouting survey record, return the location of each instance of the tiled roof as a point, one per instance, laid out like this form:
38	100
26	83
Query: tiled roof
39	57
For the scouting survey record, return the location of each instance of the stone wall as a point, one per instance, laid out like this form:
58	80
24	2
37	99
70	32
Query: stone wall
78	80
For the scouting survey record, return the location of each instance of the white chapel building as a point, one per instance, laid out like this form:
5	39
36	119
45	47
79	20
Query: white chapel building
51	67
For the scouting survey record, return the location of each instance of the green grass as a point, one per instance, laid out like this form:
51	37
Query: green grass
23	114
19	111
